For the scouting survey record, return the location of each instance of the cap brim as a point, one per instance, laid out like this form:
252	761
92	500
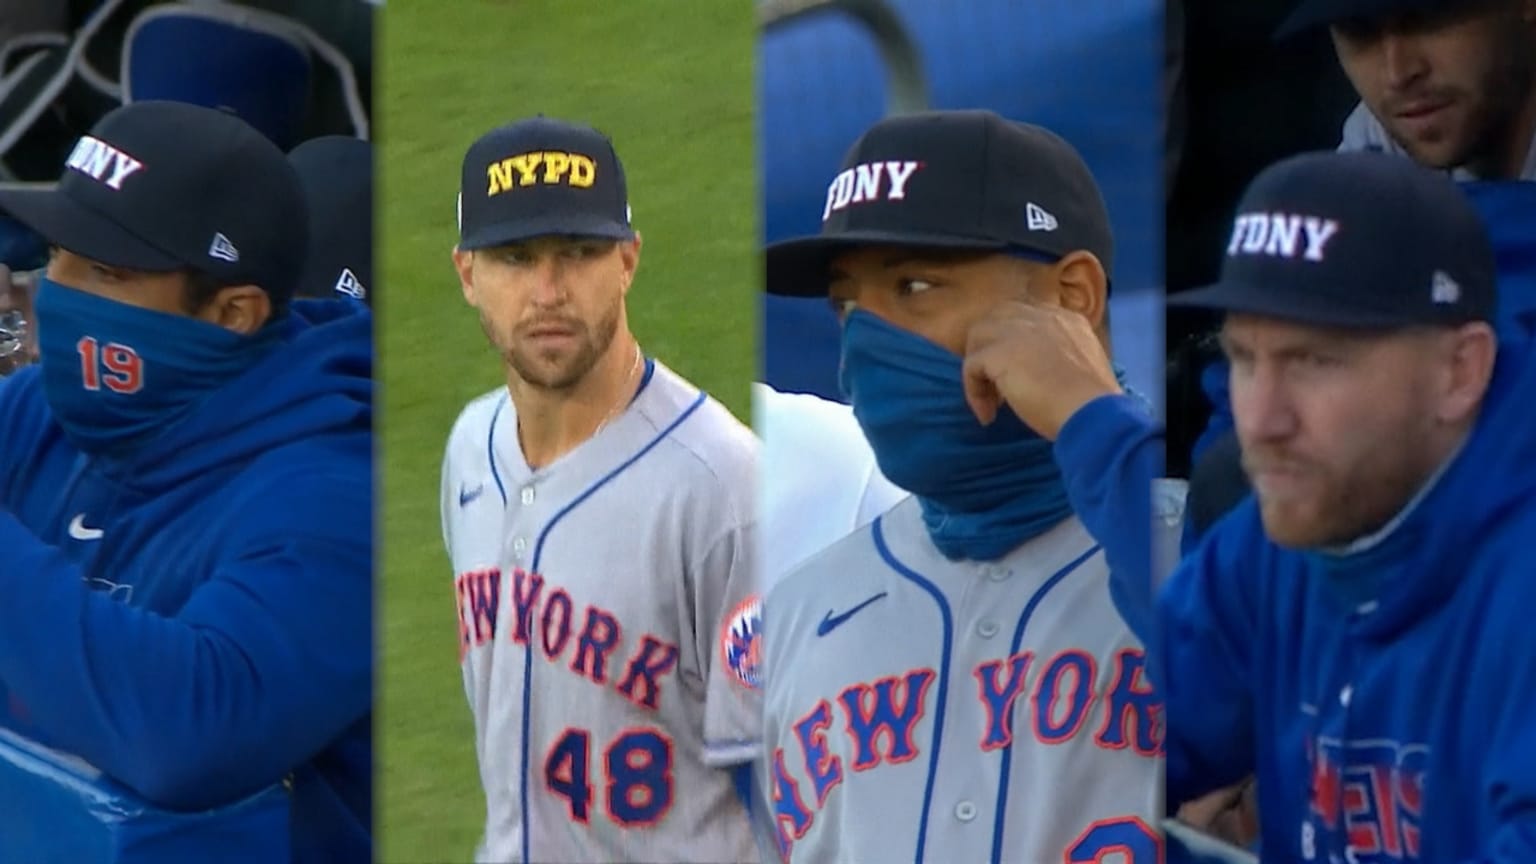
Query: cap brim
1248	299
503	233
1311	15
67	224
798	267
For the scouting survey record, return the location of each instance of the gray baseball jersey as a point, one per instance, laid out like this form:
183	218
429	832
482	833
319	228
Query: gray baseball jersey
608	623
917	708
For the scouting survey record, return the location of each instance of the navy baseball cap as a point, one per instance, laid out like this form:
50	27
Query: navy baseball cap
1313	14
541	177
336	173
1356	240
167	186
950	180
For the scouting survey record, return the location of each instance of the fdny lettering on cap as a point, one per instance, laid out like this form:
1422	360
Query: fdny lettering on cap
867	181
102	162
546	167
1281	235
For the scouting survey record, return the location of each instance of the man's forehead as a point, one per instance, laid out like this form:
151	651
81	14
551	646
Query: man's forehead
1281	333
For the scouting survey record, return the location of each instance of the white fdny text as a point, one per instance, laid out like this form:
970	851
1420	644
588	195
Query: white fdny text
869	181
1281	235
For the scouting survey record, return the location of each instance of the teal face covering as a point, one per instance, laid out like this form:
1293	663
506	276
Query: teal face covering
984	490
114	373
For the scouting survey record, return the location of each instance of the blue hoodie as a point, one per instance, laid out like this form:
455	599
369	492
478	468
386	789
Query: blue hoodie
215	637
1385	699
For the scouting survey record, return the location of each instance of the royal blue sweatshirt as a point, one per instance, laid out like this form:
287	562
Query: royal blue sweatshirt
216	637
1384	699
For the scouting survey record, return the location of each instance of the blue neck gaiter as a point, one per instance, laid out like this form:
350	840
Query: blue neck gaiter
984	490
114	373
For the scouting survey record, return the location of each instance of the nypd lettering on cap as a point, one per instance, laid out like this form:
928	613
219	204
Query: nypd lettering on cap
544	167
869	181
102	162
1282	235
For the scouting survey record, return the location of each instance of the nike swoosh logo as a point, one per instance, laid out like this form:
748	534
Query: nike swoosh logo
78	530
832	622
468	495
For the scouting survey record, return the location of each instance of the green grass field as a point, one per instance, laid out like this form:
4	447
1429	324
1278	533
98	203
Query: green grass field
681	118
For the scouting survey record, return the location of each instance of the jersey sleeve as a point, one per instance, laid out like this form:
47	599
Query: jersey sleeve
728	634
445	500
449	513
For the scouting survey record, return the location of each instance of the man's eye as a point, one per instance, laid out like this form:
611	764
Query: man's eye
908	287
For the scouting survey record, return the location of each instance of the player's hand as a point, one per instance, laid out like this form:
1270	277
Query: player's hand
1231	814
16	296
1043	361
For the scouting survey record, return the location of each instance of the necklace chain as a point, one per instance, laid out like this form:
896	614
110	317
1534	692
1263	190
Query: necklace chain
624	395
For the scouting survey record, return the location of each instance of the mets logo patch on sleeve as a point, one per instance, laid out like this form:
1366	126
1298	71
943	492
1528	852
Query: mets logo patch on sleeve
741	642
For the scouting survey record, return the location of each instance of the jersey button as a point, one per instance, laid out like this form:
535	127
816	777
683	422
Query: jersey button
1344	695
965	811
527	495
519	544
987	629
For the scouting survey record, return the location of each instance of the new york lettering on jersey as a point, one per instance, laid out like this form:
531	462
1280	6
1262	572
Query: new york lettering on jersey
943	709
599	693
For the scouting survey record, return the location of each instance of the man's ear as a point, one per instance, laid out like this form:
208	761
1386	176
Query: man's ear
464	265
241	308
1082	286
629	252
1469	369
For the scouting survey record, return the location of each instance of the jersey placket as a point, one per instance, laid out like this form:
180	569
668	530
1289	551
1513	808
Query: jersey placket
960	815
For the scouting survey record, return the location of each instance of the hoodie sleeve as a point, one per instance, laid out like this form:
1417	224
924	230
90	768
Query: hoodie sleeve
268	662
1202	661
1109	453
1503	677
1198	630
21	404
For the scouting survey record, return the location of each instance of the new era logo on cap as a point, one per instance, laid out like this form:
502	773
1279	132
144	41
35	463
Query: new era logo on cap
350	285
1038	218
869	181
1444	289
102	162
223	249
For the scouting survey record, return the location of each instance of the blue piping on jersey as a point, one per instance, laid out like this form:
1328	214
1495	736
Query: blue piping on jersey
741	779
1013	648
538	551
490	436
490	447
938	715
